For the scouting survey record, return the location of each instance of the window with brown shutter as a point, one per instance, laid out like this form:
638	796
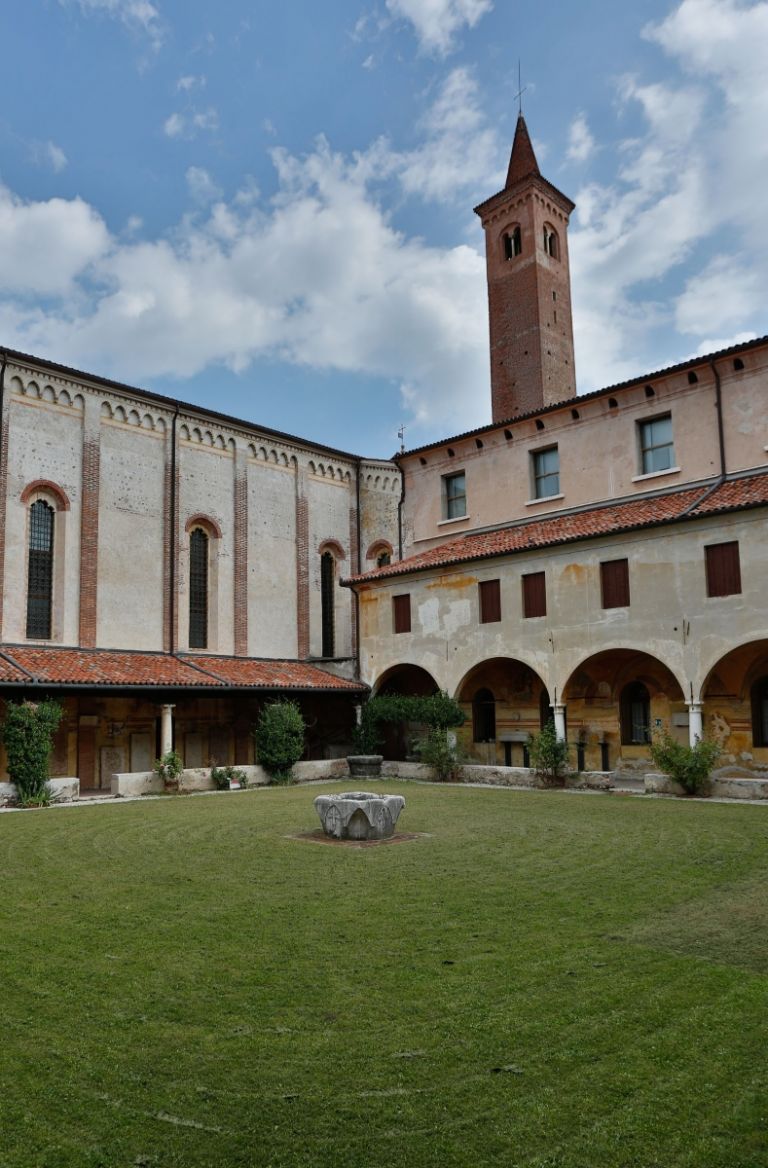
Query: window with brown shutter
614	583
401	612
490	601
723	570
534	594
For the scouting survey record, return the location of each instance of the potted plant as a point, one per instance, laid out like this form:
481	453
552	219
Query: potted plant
170	768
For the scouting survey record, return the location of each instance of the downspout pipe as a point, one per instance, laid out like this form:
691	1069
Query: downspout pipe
719	410
396	460
172	542
357	569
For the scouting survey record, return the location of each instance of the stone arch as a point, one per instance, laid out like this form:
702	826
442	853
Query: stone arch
599	696
734	696
133	418
413	681
379	549
518	692
334	547
207	523
64	398
56	493
106	409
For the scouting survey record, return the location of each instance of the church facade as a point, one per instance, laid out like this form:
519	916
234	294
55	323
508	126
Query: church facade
601	559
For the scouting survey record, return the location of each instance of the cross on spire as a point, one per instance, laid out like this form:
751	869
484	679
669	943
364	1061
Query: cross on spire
520	91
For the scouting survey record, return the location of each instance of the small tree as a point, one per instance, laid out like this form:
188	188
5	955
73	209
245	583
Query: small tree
279	736
690	766
28	733
169	768
549	755
442	755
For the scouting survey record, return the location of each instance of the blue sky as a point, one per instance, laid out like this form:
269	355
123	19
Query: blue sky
269	212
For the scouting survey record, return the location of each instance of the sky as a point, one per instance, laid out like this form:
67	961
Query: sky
266	208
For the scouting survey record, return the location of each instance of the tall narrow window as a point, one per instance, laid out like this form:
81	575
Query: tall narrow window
760	712
455	496
328	603
490	601
483	716
635	714
40	571
534	594
657	450
198	589
546	472
401	613
614	583
723	569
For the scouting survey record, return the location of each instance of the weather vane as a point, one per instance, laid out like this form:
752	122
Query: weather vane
520	90
401	436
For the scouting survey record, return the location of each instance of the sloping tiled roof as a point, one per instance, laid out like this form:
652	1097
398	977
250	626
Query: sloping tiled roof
121	668
254	673
607	519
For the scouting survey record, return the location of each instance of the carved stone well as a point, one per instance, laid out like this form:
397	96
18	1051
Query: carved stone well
359	815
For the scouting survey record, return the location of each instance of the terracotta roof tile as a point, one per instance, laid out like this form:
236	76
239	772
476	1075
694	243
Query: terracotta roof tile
604	520
259	674
114	667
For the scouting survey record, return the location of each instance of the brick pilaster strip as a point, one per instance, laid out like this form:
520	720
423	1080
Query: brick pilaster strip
354	564
241	552
167	541
89	524
4	443
302	565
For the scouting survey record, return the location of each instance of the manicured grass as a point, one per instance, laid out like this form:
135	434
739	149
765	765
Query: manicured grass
548	980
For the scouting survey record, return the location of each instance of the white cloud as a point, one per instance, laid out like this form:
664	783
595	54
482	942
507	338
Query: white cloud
581	144
201	186
188	125
48	154
189	82
46	246
137	15
436	22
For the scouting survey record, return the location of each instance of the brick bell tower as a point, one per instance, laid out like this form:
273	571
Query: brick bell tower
529	287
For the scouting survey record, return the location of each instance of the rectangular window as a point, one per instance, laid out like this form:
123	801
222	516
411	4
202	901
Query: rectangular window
401	613
490	601
723	569
534	594
546	473
614	583
657	451
454	496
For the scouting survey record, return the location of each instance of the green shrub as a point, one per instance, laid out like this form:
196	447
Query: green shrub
28	733
438	711
690	766
549	755
279	738
441	755
169	768
224	777
366	738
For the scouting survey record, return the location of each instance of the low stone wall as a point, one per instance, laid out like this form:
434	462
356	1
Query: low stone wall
721	787
199	778
499	776
63	790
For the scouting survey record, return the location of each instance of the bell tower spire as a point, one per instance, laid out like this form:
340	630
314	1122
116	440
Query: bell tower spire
529	287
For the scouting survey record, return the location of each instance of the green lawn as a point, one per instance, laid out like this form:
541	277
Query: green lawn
547	979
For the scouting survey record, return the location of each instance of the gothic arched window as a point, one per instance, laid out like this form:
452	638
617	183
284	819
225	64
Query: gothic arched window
513	243
198	589
328	603
635	714
484	716
551	242
40	571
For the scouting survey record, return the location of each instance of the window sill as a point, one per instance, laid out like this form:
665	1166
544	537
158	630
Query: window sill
543	499
656	474
456	519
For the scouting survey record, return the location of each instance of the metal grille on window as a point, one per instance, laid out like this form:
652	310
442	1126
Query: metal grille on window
40	577
198	590
327	602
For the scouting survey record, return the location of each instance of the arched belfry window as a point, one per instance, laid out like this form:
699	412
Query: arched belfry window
328	603
513	243
40	571
484	716
198	589
635	714
551	242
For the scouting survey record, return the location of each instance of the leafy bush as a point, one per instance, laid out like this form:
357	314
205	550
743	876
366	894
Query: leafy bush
279	738
440	754
169	768
438	711
28	733
224	777
549	755
690	766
